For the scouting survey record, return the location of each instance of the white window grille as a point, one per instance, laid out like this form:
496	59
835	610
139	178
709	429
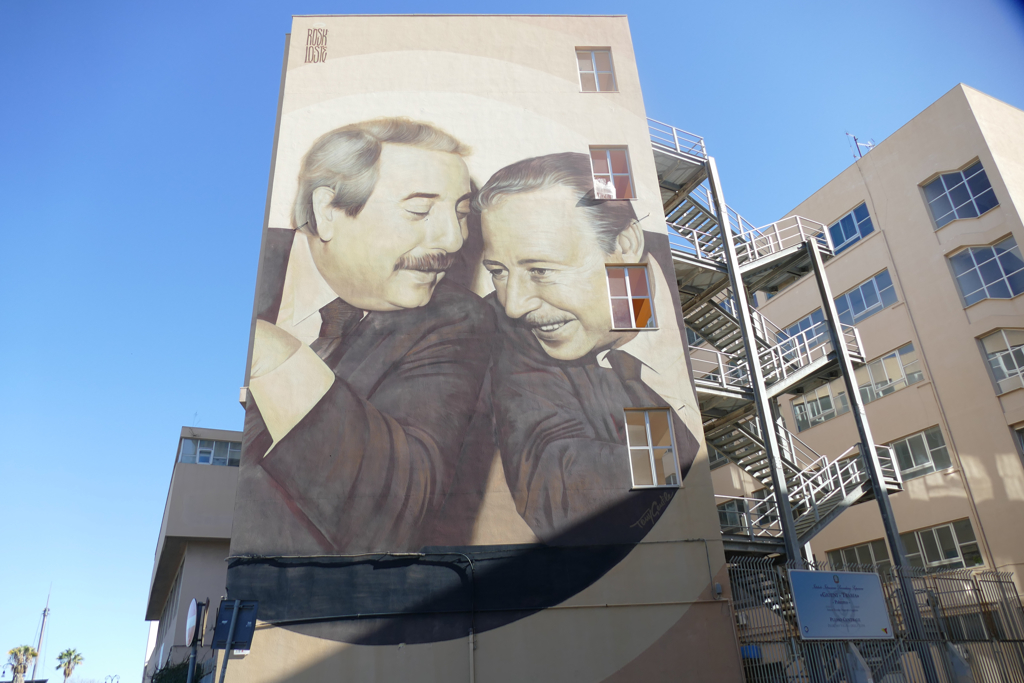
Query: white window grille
946	546
1005	352
890	373
612	176
822	404
632	306
851	228
866	299
596	71
921	453
961	194
652	453
992	272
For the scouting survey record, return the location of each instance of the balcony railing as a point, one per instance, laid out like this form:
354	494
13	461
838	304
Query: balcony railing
677	140
757	243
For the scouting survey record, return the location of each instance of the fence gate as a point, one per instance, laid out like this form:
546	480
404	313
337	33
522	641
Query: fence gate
973	629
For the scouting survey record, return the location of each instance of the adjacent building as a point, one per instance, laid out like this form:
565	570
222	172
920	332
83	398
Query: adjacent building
191	549
926	228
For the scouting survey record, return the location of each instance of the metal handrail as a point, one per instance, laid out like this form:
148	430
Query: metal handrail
676	139
800	350
721	369
759	517
702	244
757	243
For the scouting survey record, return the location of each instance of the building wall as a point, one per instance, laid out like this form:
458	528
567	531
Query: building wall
202	577
986	482
509	88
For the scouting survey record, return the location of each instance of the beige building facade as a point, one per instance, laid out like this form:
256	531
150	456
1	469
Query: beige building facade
926	227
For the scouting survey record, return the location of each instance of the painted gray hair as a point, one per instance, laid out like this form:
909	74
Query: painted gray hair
608	218
347	160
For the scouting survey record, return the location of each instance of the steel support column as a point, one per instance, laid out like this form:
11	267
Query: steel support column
872	464
769	435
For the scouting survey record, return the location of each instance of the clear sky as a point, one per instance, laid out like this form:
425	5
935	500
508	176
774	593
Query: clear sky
134	154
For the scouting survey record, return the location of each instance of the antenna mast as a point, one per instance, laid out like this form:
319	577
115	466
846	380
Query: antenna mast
42	630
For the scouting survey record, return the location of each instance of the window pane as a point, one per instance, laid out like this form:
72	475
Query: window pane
603	60
940	207
861	212
917	450
643	314
620	314
638	281
636	428
930	547
661	435
618	161
986	200
978	183
605	82
999	290
665	467
910	542
623	188
959	196
641	459
188	447
617	281
962	262
964	531
600	161
864	555
972	556
879	550
903	455
969	282
1011	261
850	555
947	544
588	83
933	190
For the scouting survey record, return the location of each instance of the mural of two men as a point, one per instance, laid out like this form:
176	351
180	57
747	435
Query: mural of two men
371	366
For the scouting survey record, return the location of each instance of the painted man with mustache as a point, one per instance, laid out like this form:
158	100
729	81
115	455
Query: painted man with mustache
367	363
563	375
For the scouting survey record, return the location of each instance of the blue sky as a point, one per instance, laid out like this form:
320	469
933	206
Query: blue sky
134	153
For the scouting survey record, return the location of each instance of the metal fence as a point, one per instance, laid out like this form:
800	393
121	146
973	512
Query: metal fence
972	629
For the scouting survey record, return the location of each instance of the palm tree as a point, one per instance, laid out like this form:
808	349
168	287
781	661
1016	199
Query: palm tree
68	660
20	658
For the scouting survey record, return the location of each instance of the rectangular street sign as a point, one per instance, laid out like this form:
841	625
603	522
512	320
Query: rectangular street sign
840	605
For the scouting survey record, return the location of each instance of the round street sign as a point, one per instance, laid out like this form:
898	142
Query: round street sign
190	623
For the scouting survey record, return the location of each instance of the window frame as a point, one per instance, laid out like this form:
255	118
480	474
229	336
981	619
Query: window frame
884	564
839	247
872	385
920	551
650	448
921	470
976	269
608	149
845	309
629	296
229	456
834	410
1000	355
940	178
596	71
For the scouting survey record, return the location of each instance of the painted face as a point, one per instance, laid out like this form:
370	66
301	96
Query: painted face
549	271
395	251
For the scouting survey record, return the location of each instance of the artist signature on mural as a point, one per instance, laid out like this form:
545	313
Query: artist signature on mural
653	511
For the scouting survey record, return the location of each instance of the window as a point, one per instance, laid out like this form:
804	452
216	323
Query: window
921	453
820	405
873	553
887	374
652	456
612	177
630	297
209	452
851	228
692	338
947	546
994	272
596	72
1005	352
715	457
732	516
866	299
812	328
962	194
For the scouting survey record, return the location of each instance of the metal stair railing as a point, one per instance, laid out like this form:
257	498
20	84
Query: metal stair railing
703	244
721	370
676	139
795	352
758	518
789	232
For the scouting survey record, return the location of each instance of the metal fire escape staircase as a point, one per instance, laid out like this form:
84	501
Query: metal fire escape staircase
768	258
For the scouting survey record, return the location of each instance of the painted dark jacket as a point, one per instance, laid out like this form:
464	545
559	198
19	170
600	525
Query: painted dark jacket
560	426
371	463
